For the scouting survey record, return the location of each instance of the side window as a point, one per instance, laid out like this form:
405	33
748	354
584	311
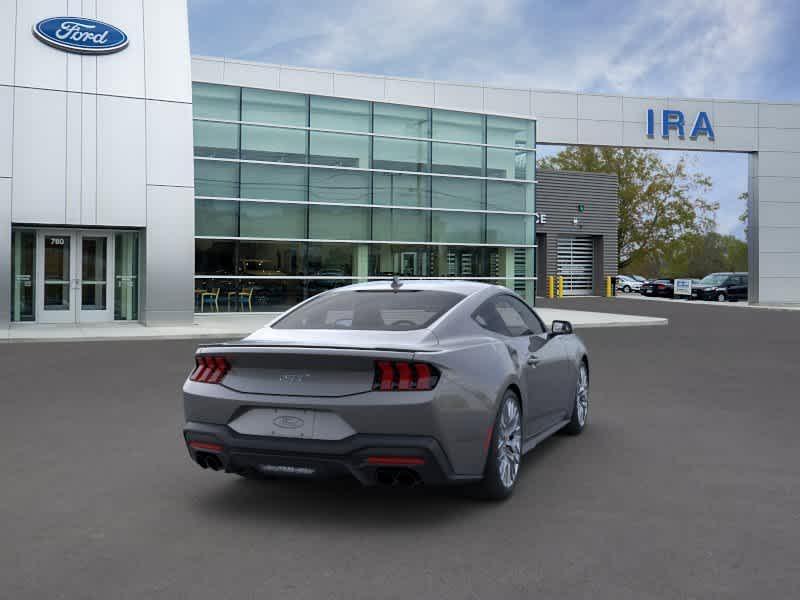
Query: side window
507	316
533	324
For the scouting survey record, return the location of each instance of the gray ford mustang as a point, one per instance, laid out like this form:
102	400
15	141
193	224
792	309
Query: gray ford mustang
395	383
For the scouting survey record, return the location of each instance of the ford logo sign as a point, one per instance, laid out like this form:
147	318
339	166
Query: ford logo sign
84	36
288	422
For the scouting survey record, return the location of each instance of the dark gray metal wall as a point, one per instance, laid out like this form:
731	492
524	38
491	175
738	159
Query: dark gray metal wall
558	194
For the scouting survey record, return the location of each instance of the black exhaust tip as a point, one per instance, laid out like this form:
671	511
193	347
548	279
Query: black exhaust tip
213	462
398	477
208	461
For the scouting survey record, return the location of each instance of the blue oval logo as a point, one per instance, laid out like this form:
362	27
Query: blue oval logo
84	36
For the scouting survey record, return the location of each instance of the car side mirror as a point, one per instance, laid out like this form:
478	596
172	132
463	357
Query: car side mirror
560	328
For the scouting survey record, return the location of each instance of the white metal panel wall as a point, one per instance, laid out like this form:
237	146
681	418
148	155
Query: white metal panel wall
121	73
6	129
576	264
37	65
40	156
121	162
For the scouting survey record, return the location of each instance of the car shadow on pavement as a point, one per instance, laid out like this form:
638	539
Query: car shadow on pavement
345	501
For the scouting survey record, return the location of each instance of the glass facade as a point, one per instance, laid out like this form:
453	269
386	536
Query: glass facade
297	193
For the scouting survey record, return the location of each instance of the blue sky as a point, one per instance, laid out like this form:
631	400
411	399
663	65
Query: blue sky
708	48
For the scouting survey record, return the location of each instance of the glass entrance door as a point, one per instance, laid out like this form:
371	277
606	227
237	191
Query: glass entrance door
95	273
56	278
73	281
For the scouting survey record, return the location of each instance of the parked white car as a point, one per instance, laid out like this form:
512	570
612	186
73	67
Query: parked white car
628	284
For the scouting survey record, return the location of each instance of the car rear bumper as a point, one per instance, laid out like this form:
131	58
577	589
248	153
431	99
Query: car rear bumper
371	459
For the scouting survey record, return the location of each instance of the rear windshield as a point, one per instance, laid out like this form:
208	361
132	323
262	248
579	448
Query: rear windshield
372	310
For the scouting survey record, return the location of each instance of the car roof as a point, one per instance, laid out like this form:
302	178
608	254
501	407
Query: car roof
459	286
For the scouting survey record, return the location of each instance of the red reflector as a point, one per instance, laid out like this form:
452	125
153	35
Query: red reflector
404	376
210	369
395	460
205	446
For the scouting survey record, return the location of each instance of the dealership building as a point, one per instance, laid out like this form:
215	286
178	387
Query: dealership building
140	184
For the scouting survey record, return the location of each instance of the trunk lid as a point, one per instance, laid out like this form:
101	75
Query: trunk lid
319	363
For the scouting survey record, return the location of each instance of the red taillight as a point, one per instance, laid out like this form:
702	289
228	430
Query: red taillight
210	369
661	287
404	376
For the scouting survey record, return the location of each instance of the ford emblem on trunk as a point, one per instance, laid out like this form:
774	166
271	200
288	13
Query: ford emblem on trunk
288	422
84	36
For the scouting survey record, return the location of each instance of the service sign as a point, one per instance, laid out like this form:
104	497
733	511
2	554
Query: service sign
683	287
84	36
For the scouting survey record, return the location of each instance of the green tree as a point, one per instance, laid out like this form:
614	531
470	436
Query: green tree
659	202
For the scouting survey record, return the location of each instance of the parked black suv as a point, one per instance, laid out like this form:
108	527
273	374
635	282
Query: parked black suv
721	287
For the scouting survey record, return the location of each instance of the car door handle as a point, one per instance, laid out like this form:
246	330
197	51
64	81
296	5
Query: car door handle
533	360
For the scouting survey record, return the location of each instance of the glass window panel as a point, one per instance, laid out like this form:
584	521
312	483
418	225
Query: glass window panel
509	164
400	155
400	225
501	195
457	227
272	295
273	182
218	140
458	160
457	126
506	131
215	295
271	258
339	223
339	150
508	229
219	179
211	101
259	219
216	217
406	260
126	276
334	185
23	263
214	257
408	121
401	190
338	113
457	193
331	260
266	106
273	144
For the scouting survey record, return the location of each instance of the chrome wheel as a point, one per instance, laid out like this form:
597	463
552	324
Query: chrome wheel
582	396
721	298
509	443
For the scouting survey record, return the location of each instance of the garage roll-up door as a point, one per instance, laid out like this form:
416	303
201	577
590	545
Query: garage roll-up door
575	263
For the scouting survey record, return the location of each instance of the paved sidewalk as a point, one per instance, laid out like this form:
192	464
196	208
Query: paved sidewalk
239	325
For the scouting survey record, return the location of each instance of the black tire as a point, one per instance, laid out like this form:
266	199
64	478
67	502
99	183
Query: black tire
492	486
578	420
721	297
627	289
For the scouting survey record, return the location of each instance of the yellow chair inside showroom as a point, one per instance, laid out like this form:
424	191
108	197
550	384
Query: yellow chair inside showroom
212	298
246	297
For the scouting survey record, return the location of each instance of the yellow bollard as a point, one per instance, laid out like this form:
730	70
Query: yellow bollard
609	290
560	286
551	285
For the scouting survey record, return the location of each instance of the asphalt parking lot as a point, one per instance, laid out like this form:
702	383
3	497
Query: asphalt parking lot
685	484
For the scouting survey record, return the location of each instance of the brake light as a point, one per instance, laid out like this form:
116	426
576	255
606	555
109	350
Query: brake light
404	376
210	369
660	286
